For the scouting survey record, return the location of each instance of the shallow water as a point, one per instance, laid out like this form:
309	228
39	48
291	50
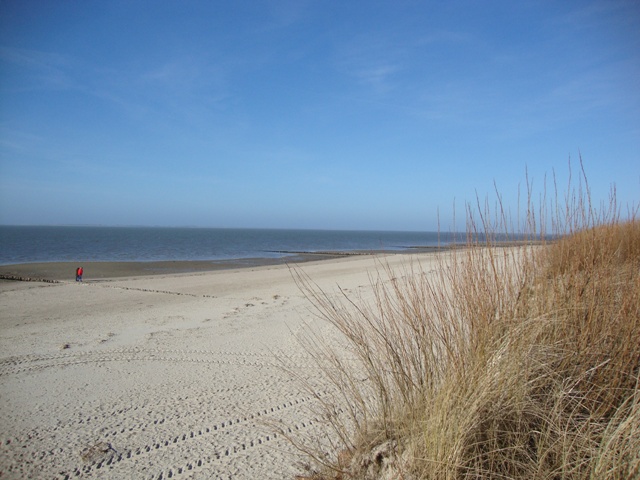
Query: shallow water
19	244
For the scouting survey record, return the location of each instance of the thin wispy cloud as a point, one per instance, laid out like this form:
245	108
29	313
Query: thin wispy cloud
33	59
378	77
285	13
44	70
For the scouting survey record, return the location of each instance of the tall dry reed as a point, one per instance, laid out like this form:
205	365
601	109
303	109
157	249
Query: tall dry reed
503	361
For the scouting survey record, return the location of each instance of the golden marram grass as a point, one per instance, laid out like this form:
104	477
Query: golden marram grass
505	362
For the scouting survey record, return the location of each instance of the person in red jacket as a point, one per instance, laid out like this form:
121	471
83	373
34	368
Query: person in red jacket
79	273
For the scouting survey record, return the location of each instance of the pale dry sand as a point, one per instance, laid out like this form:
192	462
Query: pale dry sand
165	376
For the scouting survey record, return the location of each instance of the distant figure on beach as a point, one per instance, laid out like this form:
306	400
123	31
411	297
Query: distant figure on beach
79	273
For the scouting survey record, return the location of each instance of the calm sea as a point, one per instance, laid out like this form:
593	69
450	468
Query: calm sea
58	244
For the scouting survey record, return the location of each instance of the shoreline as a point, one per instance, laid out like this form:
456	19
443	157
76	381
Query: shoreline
107	270
55	272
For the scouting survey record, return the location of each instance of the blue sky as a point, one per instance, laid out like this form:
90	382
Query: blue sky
309	114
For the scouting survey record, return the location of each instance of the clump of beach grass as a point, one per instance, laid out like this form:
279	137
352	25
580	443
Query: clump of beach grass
515	362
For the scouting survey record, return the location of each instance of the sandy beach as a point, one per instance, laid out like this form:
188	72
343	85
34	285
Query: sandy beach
162	375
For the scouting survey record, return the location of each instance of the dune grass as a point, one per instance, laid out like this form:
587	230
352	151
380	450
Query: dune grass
503	362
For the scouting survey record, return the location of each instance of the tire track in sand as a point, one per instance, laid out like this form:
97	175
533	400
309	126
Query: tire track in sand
28	363
155	417
112	456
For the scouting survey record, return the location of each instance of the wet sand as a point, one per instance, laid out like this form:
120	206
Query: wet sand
64	271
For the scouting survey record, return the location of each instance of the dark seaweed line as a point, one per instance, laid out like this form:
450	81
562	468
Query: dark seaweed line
19	278
150	290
